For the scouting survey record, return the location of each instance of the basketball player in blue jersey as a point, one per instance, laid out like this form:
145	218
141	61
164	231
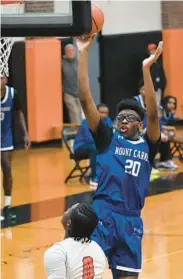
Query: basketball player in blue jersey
126	162
9	103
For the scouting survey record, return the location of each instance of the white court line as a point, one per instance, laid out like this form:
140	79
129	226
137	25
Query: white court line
163	256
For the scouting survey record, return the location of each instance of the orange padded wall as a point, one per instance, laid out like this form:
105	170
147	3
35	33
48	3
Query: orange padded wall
44	89
173	65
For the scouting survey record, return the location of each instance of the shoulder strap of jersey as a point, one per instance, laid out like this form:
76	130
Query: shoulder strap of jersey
11	91
7	94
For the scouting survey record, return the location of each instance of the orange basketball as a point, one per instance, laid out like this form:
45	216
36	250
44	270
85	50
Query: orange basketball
97	18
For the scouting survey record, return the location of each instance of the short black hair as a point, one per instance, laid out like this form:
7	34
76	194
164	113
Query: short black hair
133	105
101	105
83	221
166	100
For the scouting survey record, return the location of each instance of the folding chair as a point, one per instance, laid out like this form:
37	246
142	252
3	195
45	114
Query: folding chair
177	149
69	134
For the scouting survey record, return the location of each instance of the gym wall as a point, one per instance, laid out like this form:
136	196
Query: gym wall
129	27
31	85
41	99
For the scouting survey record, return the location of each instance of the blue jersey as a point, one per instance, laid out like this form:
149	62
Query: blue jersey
126	167
84	136
122	187
167	117
8	104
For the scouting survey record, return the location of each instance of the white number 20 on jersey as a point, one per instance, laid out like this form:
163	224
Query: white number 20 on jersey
2	116
132	167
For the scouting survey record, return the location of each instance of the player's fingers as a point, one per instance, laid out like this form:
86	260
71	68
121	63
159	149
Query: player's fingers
158	52
27	145
160	44
90	39
86	38
93	36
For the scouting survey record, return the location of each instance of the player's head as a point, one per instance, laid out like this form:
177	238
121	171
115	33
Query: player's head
170	103
130	115
151	48
70	51
4	81
79	221
103	110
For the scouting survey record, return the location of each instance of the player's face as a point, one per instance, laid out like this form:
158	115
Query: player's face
104	112
171	104
70	52
66	219
129	124
3	82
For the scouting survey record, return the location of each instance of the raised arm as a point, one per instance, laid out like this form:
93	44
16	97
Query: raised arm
153	129
85	95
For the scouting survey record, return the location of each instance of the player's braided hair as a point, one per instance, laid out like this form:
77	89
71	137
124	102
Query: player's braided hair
83	222
133	105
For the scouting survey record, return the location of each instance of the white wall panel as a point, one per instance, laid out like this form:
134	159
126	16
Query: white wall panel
130	16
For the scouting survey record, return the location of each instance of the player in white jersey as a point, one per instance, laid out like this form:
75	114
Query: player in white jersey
76	257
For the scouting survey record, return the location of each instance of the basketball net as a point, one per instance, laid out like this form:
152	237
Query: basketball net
7	7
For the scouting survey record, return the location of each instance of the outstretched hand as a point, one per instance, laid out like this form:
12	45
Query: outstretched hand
27	142
153	57
84	43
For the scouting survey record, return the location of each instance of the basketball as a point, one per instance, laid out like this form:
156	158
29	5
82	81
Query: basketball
97	18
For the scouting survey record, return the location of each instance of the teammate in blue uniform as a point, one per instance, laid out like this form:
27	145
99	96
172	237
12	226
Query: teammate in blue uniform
168	110
165	115
126	163
9	103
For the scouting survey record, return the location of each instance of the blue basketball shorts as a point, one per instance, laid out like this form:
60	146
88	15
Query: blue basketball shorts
6	142
120	237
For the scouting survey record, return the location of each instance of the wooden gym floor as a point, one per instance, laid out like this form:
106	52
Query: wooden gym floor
40	198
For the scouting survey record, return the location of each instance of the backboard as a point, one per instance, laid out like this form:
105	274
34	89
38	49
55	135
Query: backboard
54	18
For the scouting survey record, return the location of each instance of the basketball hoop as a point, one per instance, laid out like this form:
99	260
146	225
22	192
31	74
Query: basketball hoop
13	7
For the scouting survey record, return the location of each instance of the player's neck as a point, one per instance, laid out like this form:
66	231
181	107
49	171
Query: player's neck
135	137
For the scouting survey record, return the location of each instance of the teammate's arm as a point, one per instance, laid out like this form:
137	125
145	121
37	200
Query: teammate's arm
153	129
21	118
